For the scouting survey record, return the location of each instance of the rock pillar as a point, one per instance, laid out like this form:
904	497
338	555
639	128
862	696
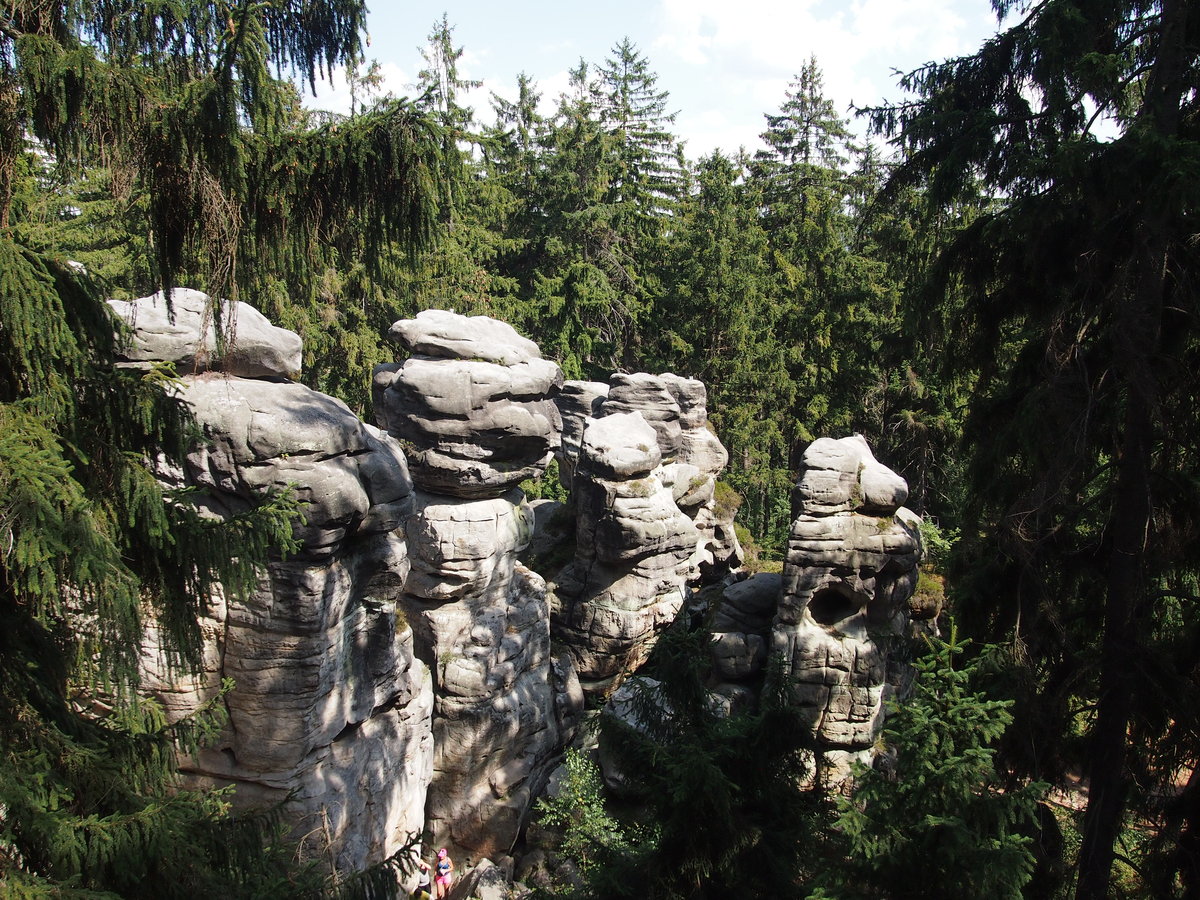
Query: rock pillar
329	707
851	567
473	408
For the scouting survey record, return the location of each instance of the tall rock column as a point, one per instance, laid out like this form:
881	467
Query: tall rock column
851	566
701	459
473	409
635	552
330	709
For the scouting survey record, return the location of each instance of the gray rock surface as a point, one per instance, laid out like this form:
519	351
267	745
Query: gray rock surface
186	335
577	402
741	626
474	410
635	553
446	335
650	396
473	426
330	705
844	476
851	566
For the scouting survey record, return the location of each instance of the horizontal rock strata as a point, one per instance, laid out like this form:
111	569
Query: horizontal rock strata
474	409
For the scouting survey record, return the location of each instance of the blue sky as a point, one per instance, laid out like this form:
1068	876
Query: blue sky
724	62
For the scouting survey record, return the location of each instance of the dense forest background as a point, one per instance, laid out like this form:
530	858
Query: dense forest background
1000	297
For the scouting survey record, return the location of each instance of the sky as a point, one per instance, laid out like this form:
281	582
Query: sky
725	63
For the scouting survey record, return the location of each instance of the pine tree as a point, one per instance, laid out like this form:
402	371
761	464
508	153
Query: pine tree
181	101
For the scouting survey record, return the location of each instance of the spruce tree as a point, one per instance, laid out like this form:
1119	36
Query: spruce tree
647	179
937	822
1078	296
720	320
181	99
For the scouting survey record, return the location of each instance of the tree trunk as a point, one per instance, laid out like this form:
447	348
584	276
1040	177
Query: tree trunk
1137	344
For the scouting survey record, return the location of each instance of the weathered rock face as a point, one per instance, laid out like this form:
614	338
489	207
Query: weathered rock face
473	406
650	396
186	335
330	704
635	553
741	627
644	467
851	567
700	461
577	401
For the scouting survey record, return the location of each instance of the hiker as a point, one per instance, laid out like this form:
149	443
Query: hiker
445	874
424	890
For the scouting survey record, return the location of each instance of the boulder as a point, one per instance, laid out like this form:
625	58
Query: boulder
650	396
843	476
184	332
443	334
474	425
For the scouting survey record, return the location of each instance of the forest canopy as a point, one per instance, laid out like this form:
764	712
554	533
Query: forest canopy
999	295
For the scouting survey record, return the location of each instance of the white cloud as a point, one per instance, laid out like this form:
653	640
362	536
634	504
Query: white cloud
758	46
334	95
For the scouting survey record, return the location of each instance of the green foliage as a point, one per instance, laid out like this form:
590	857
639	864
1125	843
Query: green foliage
1077	295
171	114
590	836
939	821
725	790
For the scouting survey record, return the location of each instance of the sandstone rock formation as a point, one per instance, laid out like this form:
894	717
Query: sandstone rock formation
851	566
184	332
643	466
330	704
635	552
577	402
396	674
741	627
473	404
700	461
473	407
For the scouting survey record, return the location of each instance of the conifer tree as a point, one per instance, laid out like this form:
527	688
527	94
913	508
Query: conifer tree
181	100
719	316
1079	299
938	822
586	290
647	178
724	789
464	271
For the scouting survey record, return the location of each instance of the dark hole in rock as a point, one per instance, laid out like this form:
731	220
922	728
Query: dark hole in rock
830	606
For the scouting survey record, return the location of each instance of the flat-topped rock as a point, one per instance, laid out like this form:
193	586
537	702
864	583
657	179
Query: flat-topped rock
470	428
448	335
184	332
